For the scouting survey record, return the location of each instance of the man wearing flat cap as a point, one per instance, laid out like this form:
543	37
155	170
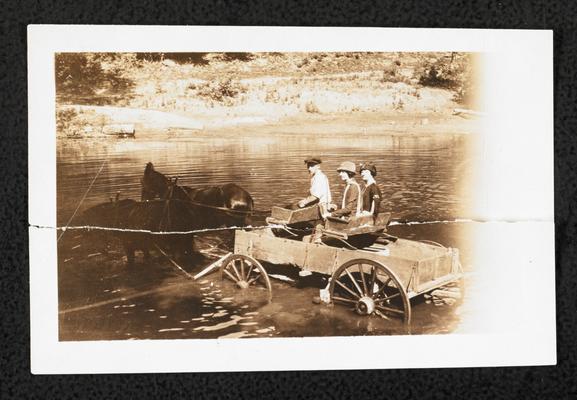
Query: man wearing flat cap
351	204
371	194
320	191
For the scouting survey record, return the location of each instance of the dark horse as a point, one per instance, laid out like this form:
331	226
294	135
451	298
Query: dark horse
129	217
226	205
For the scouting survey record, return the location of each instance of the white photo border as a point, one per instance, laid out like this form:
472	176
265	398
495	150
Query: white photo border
514	192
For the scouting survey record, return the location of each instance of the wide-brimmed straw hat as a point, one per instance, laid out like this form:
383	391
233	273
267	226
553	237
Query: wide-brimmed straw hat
347	166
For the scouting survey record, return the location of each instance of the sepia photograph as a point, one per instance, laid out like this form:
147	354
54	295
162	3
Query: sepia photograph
194	188
249	195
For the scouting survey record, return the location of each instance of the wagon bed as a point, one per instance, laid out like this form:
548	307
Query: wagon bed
420	267
379	279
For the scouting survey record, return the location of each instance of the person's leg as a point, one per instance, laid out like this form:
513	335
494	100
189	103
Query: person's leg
318	234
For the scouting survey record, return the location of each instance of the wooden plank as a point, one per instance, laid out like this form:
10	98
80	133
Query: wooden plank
437	283
263	245
215	265
435	267
322	259
356	225
283	215
402	256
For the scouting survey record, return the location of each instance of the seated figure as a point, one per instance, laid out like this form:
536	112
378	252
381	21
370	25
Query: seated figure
351	203
371	193
320	191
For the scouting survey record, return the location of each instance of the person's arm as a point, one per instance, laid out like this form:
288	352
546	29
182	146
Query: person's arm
350	203
341	212
376	201
317	191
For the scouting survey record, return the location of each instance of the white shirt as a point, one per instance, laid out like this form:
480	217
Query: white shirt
320	187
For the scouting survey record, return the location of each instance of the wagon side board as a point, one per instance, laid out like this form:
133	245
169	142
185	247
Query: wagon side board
419	267
286	216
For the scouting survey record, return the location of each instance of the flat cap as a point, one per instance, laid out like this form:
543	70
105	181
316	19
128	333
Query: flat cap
313	160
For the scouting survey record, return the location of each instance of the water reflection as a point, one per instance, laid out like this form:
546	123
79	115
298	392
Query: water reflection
421	177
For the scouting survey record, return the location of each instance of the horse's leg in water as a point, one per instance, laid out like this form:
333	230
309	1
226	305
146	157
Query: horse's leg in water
146	252
188	246
129	249
184	247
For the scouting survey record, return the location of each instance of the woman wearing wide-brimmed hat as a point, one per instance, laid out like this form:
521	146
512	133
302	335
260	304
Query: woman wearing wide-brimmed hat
351	204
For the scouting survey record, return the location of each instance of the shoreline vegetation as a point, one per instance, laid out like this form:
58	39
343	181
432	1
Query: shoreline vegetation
265	93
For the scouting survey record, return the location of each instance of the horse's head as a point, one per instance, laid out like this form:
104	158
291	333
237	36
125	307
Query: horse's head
154	184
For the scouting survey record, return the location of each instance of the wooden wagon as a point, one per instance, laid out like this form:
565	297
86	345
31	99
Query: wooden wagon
379	279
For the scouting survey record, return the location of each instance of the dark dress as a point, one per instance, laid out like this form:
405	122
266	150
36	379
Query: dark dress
372	194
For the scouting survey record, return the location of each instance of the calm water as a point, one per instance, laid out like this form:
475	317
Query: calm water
421	178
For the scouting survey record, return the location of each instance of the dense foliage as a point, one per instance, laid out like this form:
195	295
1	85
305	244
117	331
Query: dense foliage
111	78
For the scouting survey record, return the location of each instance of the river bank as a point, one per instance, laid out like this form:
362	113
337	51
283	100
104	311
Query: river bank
236	123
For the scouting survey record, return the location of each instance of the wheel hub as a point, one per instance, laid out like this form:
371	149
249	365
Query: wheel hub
365	306
242	284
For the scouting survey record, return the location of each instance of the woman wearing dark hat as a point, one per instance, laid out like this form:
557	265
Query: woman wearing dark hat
371	193
351	204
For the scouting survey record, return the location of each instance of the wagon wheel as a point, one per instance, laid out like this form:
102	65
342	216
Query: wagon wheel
245	272
370	287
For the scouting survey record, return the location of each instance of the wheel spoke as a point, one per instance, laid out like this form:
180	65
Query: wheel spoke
235	271
354	281
376	282
347	289
363	278
255	278
344	300
388	298
383	287
245	271
372	282
230	275
389	309
249	271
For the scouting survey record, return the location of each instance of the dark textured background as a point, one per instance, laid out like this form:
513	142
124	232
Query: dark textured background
558	382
